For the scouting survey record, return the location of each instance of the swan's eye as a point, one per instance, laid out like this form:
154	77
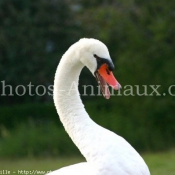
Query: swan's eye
96	56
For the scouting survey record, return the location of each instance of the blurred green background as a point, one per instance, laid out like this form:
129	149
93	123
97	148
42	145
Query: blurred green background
140	36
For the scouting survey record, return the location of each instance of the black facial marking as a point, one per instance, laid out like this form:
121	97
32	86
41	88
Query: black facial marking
101	61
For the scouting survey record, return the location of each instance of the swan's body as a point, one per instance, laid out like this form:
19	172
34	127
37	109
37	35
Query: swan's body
106	153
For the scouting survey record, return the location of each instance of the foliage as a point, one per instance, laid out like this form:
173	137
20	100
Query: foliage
16	115
41	133
36	140
33	37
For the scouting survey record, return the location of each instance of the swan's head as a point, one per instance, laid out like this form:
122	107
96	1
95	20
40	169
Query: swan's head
95	56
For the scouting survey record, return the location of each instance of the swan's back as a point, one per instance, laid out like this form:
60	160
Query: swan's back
76	169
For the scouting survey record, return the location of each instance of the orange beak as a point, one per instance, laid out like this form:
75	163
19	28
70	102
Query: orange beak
105	76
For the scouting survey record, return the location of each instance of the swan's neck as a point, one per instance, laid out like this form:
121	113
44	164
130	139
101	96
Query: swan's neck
69	105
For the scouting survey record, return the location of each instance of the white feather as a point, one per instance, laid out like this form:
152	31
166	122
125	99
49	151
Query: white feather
106	152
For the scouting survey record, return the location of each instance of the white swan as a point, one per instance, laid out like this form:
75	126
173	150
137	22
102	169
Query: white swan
106	153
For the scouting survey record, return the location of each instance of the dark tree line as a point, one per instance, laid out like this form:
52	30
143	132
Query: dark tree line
33	37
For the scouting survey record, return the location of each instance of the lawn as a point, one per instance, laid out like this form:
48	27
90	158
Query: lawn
159	164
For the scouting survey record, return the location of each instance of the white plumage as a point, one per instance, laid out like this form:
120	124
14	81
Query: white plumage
106	153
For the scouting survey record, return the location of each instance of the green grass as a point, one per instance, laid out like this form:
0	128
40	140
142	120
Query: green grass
159	164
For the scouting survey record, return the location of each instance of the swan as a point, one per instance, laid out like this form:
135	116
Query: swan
106	153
